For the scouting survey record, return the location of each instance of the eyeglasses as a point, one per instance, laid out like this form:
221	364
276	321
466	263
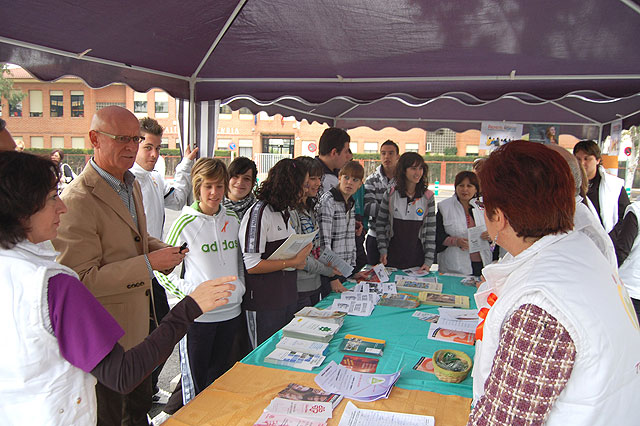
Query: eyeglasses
122	139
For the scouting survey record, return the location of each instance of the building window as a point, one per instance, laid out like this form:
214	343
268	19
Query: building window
441	140
162	104
371	147
139	103
100	105
353	146
37	142
15	110
77	142
164	143
77	103
411	147
223	144
55	101
57	142
35	103
225	112
245	114
245	148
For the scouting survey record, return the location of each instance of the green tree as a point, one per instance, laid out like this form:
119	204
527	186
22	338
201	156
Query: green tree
14	97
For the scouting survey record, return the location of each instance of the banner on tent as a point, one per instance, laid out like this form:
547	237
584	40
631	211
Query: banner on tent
493	134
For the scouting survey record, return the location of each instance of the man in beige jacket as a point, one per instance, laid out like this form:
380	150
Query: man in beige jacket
104	238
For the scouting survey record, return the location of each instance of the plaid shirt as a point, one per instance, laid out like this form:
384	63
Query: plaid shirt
337	219
374	188
531	367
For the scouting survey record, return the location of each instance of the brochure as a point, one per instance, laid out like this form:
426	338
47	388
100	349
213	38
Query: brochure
360	363
415	272
353	307
360	297
362	345
294	359
324	315
404	301
426	316
297	392
465	320
300	345
329	258
353	385
377	274
354	416
378	288
418	284
441	299
475	240
271	419
312	410
310	329
444	335
424	364
292	246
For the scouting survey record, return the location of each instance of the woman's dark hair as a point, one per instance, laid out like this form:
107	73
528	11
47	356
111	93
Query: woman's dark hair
314	168
532	185
473	179
589	147
242	165
284	185
410	159
25	183
60	153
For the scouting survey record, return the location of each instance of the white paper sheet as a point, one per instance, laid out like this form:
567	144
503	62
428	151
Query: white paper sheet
330	258
354	416
475	242
292	246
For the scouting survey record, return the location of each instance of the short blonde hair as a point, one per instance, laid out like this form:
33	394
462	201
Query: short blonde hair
208	168
352	169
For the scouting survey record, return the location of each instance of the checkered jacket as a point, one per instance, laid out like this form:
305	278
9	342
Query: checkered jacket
374	187
337	219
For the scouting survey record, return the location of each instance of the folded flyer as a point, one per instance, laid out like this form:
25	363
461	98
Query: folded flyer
353	385
329	258
354	416
444	335
362	345
297	392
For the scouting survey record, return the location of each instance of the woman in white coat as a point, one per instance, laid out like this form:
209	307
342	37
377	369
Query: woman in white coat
456	220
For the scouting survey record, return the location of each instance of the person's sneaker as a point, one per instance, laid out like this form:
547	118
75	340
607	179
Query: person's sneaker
161	397
160	418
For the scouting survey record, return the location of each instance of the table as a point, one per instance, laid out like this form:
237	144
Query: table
241	394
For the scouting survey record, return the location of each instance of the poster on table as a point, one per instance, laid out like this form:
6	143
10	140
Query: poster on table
493	134
546	133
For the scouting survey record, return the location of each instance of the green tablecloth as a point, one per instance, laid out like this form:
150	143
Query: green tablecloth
406	338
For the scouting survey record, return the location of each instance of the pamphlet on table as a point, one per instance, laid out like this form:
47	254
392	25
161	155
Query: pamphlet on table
353	307
353	385
444	335
441	299
426	316
360	364
415	272
362	345
300	345
292	359
354	416
297	392
270	419
404	301
418	284
378	288
310	329
465	320
325	315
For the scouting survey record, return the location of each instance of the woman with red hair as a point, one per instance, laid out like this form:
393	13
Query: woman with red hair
559	342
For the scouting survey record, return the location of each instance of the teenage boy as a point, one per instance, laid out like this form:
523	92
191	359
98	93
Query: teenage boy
337	219
374	187
333	154
606	192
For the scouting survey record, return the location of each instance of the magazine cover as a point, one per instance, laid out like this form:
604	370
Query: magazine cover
362	345
360	364
296	392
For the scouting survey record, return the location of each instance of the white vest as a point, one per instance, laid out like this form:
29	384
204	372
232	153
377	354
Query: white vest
453	259
608	194
630	269
38	386
589	224
568	277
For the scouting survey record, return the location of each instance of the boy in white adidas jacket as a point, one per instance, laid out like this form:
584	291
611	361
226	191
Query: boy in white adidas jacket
211	233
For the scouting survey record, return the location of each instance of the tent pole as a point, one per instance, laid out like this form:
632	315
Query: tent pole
192	113
600	135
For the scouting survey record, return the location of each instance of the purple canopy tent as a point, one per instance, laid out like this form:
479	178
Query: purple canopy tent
405	63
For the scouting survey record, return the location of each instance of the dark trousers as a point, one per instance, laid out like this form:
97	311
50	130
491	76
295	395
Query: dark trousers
308	298
208	348
373	255
161	307
264	324
115	409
